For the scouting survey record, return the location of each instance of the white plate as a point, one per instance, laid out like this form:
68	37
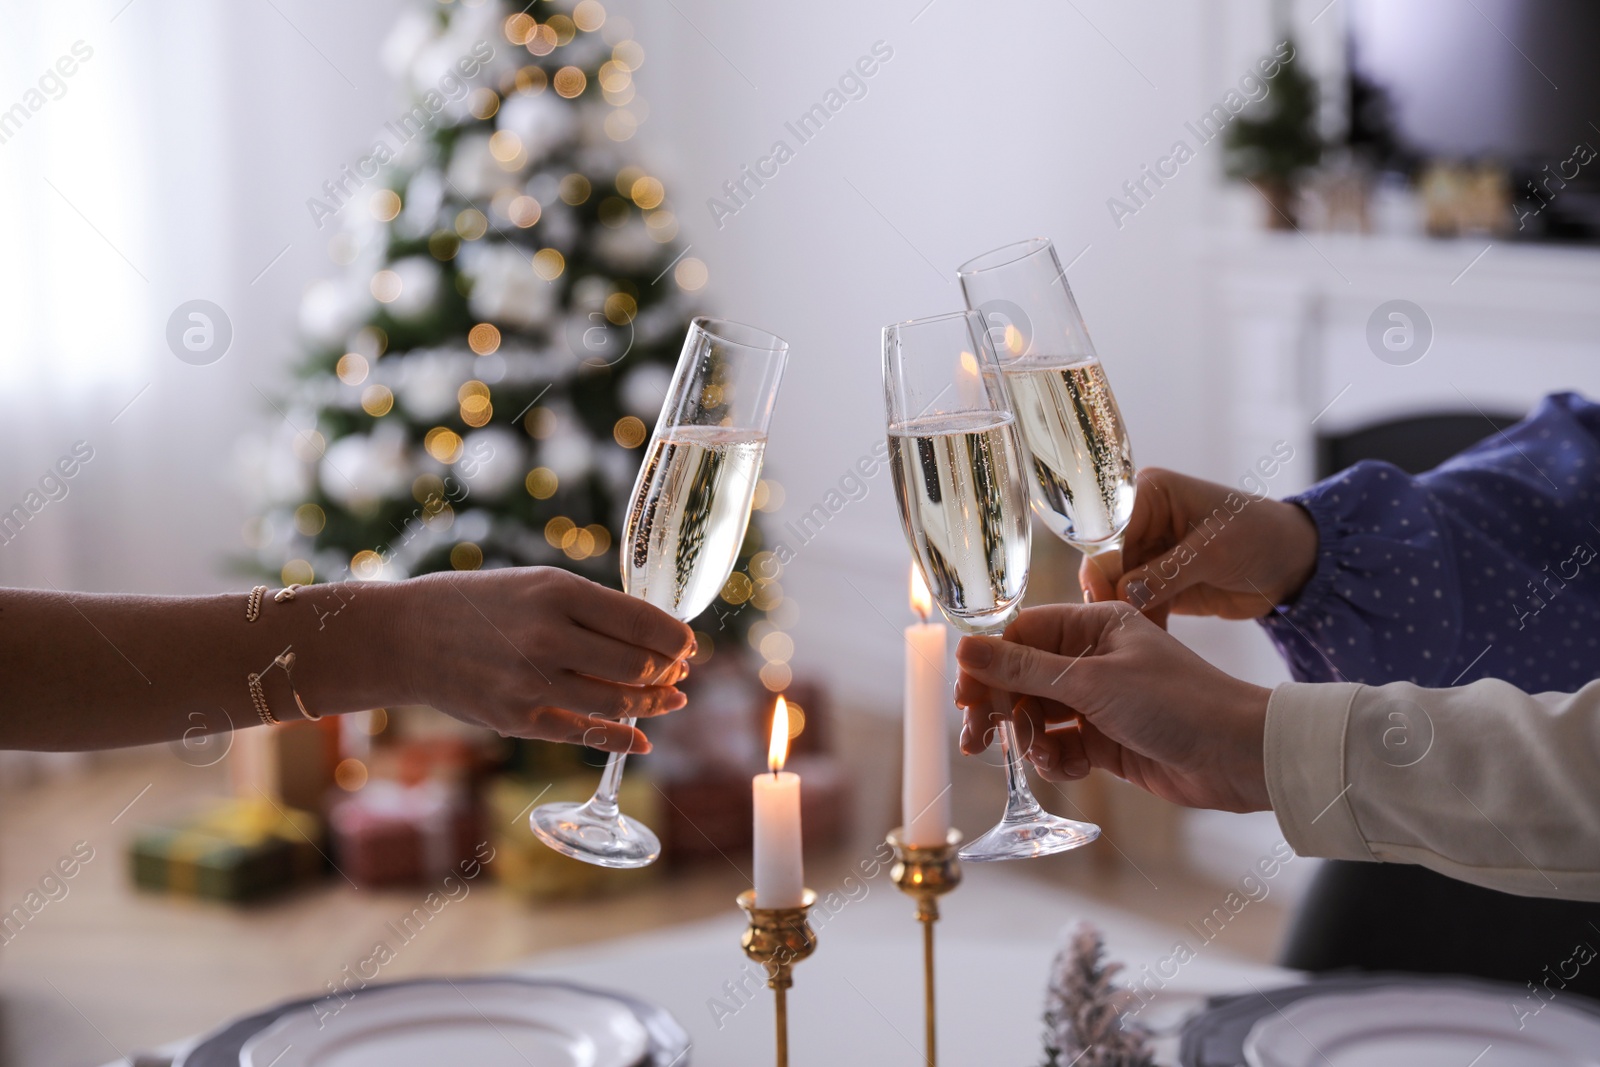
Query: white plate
1408	1026
486	1024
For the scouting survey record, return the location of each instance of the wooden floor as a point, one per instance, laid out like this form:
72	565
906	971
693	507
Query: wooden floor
105	971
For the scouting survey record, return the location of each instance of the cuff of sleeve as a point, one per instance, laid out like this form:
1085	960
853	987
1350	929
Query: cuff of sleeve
1305	768
1319	587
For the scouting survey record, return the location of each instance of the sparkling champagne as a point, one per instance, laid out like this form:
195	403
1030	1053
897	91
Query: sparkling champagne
691	505
1082	486
958	478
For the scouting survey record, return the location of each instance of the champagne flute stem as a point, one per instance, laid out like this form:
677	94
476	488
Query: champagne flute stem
605	797
1107	558
1019	798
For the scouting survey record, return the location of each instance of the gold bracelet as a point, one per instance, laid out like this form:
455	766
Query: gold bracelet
286	661
288	592
258	697
252	608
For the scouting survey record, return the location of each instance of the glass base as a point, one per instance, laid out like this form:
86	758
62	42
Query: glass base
1029	837
587	833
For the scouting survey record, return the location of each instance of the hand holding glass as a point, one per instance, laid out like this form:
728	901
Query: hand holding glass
686	522
960	471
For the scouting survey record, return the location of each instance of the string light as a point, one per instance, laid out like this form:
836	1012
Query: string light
524	211
466	556
442	444
542	41
549	263
532	80
648	193
663	226
471	224
629	432
519	27
629	55
483	338
564	28
620	308
386	286
385	205
690	274
776	676
427	487
541	423
569	82
309	519
350	775
296	572
377	400
575	189
738	588
506	147
556	529
589	15
444	245
542	483
366	564
351	368
483	103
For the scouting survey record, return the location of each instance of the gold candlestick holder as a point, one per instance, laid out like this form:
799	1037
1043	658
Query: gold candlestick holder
779	938
926	873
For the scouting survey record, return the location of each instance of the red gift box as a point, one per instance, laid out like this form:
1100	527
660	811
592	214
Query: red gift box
389	833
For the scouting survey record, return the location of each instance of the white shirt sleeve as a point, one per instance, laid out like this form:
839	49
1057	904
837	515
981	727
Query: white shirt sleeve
1483	783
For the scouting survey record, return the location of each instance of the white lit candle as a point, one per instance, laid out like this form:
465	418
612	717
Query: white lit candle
925	781
779	868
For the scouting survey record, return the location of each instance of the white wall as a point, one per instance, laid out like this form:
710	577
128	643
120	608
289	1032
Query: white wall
990	123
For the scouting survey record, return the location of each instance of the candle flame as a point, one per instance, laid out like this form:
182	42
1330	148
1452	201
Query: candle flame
921	599
778	749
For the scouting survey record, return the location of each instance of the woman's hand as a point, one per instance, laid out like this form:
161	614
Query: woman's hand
1123	695
540	652
1199	548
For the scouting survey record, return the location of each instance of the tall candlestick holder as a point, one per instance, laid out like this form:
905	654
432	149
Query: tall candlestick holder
779	938
926	873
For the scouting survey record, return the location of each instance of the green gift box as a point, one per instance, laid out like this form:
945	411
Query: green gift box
236	850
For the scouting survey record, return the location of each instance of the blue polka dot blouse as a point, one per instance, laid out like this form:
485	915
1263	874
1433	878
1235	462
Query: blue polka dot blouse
1485	567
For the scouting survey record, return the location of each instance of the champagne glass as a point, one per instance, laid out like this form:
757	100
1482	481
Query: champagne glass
686	521
959	473
1082	485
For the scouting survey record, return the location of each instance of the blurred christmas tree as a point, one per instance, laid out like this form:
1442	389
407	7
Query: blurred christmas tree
481	380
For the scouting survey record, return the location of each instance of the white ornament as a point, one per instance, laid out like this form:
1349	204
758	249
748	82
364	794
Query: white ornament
504	286
360	470
474	172
428	384
568	452
644	389
541	121
419	287
493	460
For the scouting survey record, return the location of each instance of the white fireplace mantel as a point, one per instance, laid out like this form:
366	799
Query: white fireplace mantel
1510	323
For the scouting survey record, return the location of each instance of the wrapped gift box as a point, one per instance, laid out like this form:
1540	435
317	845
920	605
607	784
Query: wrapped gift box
237	850
524	865
390	833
